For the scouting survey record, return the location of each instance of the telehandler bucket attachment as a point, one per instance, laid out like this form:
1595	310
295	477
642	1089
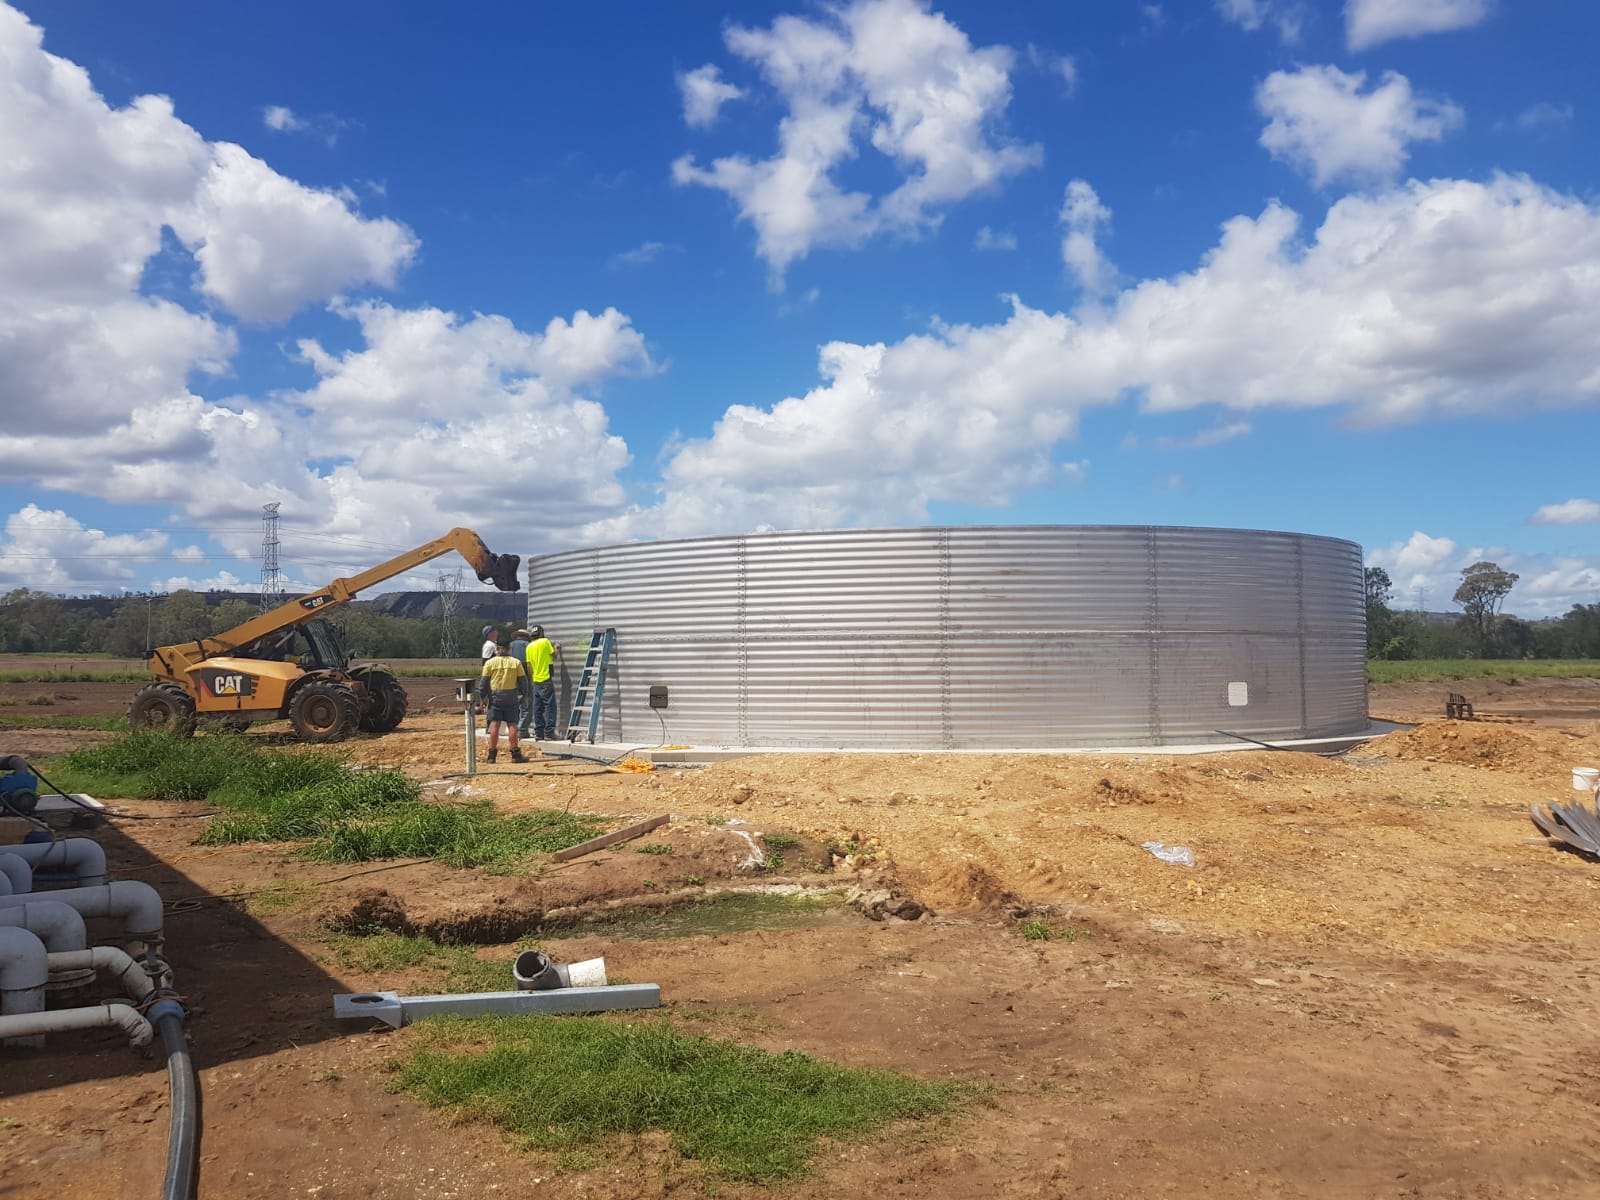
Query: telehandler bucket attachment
503	572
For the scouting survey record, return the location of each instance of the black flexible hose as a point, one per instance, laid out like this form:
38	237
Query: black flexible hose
183	1137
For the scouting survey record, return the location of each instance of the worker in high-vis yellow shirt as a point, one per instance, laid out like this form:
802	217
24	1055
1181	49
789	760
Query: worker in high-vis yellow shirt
501	679
541	654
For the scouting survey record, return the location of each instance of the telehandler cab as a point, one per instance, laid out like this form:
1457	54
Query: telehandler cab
289	663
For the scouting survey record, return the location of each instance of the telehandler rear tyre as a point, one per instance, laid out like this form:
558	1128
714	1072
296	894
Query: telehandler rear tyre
162	707
324	710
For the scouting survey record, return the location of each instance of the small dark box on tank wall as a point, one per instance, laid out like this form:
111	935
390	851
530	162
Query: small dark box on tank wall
658	695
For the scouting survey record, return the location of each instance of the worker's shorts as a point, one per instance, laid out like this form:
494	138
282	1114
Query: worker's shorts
503	706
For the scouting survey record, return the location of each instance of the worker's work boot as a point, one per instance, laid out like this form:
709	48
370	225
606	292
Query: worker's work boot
492	755
517	756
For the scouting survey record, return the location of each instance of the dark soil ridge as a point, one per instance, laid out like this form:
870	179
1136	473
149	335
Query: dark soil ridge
378	910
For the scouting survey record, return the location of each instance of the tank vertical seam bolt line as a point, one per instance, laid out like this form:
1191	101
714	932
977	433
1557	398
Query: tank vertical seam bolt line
742	640
946	716
1300	630
1153	630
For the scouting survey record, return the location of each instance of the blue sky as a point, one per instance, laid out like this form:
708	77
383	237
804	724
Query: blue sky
580	274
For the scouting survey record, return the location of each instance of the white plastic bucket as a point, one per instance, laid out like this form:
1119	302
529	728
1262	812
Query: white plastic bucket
589	973
1585	779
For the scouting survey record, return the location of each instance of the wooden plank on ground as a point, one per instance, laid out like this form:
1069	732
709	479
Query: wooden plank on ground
611	839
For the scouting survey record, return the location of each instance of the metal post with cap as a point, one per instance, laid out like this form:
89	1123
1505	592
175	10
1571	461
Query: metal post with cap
465	692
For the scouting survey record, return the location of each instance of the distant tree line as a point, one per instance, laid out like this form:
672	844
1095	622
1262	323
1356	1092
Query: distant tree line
126	626
1482	630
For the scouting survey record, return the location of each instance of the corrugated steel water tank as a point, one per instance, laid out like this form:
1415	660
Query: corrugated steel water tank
988	637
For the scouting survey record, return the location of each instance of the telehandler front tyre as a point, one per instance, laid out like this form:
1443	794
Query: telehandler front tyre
386	702
162	707
324	710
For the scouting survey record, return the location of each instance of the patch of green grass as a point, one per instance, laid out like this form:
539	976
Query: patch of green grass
314	796
718	914
45	675
288	896
1440	670
779	841
563	1085
1053	931
740	1017
456	968
64	721
654	848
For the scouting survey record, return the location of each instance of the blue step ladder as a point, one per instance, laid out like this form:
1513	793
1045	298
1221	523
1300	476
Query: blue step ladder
591	687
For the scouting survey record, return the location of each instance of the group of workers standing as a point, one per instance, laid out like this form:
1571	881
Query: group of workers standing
517	684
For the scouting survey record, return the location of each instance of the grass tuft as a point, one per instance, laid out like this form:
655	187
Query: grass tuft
561	1085
455	968
1051	931
341	813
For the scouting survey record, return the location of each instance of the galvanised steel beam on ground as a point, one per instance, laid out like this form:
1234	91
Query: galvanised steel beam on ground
396	1010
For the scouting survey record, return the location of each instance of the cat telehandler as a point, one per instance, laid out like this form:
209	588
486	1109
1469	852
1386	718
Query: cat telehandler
290	663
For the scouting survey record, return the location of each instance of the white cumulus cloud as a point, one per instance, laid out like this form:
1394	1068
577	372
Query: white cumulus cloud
325	127
1570	512
280	119
994	239
1369	23
1328	124
94	374
1082	214
1287	17
268	246
46	550
430	397
1431	299
887	73
704	92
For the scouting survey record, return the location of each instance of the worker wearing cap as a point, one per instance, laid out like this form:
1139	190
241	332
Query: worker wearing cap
541	653
491	646
519	651
501	681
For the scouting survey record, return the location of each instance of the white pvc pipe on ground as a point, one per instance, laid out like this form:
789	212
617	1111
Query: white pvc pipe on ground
137	904
58	926
16	876
111	1015
82	856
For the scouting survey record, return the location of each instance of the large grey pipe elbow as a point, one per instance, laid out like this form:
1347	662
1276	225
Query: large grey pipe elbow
137	905
84	857
59	926
16	876
23	974
136	981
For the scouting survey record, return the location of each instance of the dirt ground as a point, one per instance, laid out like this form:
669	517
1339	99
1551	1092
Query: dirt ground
1377	979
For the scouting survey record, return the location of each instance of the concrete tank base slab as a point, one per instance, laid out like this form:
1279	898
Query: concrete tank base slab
699	756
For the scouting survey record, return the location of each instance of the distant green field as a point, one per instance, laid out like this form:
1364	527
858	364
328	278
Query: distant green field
89	668
1442	670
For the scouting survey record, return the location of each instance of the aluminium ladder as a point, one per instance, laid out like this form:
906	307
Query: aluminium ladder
591	687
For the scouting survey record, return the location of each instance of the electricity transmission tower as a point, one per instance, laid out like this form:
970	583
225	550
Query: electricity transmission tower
449	593
271	576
